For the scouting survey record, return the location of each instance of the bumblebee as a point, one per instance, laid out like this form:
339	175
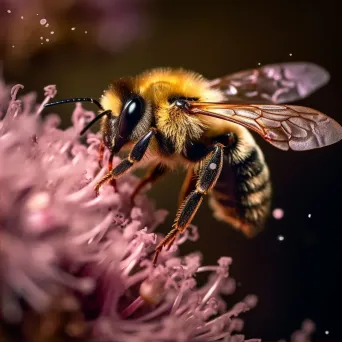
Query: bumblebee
173	117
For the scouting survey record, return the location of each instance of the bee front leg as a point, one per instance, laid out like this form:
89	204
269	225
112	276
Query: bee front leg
101	153
209	172
136	154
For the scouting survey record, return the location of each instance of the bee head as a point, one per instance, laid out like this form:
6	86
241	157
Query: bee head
130	117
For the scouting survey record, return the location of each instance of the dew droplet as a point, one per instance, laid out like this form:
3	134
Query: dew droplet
212	166
42	21
278	213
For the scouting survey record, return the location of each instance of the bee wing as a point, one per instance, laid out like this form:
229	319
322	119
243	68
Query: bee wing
286	127
274	83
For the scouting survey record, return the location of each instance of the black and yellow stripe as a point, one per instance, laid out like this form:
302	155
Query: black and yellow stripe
242	195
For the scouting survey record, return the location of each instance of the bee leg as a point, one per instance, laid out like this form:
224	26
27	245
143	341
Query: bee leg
151	177
208	175
110	168
101	152
134	156
189	185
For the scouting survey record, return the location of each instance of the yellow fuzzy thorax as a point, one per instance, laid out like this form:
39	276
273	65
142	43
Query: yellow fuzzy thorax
157	86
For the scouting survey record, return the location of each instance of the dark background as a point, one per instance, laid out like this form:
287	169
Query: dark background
294	279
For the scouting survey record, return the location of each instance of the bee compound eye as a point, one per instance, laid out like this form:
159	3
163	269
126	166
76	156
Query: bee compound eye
182	104
131	115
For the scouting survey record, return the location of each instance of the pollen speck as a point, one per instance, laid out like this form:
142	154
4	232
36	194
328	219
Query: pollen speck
42	21
278	213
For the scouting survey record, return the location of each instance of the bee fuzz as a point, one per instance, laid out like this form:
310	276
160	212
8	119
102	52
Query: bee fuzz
152	291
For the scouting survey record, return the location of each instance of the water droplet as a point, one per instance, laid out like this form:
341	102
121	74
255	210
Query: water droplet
73	28
42	21
309	215
9	11
281	238
212	166
52	32
278	213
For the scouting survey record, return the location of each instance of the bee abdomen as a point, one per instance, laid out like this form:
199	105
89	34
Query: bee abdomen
242	195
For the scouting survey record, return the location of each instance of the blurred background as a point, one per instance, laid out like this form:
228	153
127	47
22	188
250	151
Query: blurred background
81	45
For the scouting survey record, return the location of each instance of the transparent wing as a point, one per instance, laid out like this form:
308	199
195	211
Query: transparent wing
274	83
286	127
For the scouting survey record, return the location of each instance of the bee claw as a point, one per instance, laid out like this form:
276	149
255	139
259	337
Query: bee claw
156	254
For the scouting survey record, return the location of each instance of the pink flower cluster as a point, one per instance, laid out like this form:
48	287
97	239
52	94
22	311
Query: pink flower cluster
55	234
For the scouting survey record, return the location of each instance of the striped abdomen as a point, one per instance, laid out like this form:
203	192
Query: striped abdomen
242	194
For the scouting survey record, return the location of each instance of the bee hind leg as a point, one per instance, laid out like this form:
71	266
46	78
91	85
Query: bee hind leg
136	154
208	174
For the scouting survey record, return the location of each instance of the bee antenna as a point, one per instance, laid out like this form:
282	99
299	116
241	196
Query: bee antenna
78	99
98	117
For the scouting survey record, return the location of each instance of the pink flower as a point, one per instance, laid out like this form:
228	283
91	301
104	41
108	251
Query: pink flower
56	235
